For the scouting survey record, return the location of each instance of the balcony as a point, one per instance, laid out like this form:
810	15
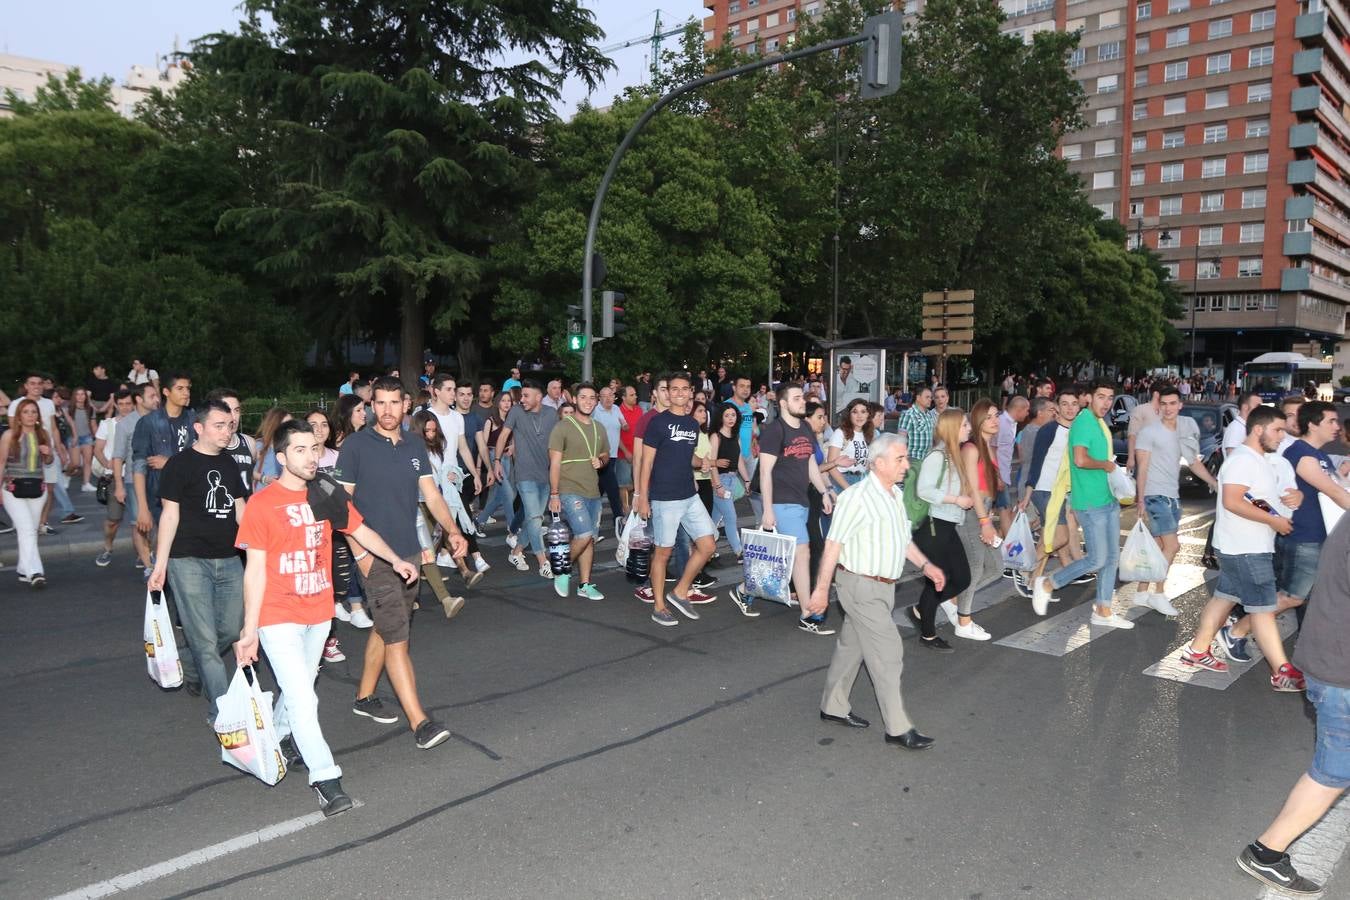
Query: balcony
1329	252
1298	243
1312	28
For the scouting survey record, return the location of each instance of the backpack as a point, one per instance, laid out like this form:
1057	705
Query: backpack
915	507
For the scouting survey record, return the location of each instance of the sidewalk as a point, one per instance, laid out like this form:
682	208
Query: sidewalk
78	543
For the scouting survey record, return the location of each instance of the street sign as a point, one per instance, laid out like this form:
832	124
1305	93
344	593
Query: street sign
948	349
950	309
967	296
964	336
949	322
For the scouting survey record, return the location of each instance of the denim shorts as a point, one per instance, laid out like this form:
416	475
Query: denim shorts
1003	499
1041	500
582	514
1296	566
1331	756
84	440
623	472
1247	578
790	519
1164	514
669	516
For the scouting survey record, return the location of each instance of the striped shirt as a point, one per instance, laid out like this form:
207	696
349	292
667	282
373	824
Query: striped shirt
871	524
919	424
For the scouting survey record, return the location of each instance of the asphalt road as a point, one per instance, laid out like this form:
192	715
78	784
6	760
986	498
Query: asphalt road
597	755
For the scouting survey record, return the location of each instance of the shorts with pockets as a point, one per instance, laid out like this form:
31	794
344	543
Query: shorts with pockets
1248	579
669	516
1331	754
390	600
1164	514
790	519
582	514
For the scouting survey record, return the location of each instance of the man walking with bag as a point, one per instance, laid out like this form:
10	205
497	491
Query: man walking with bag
287	533
865	553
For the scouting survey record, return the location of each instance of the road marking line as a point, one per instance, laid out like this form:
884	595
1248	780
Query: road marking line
1316	854
132	880
1170	667
1071	629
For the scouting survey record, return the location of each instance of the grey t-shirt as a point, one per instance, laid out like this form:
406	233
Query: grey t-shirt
531	431
1166	448
122	443
1323	650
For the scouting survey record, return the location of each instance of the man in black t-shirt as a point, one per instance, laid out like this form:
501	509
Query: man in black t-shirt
100	388
787	471
203	502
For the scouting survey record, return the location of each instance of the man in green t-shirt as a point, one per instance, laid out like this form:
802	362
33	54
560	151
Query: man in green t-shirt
577	450
1091	460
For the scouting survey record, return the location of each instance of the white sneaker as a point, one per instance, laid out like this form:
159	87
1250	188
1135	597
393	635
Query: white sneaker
481	564
1142	598
1040	595
340	613
489	521
1160	603
545	571
360	619
949	608
88	488
512	541
972	632
1111	621
518	560
445	559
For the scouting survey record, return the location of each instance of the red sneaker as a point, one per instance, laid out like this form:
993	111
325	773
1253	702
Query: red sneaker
332	651
1206	660
697	596
645	595
1288	680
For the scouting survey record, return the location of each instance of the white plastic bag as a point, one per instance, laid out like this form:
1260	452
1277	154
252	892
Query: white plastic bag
244	728
621	527
767	563
1122	485
1019	547
1141	559
1331	513
161	649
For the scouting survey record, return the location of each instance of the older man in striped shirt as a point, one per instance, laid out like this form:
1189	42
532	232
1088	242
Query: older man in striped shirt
865	555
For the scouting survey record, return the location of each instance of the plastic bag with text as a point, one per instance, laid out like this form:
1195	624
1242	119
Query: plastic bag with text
161	649
244	728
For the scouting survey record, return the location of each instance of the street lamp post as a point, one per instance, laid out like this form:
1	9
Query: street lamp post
1195	291
771	327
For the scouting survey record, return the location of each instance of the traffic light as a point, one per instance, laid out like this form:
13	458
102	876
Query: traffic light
612	313
881	55
576	342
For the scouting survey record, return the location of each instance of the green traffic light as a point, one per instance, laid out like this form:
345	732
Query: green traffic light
576	342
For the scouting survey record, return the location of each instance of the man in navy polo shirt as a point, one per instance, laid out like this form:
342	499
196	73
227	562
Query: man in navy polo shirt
387	475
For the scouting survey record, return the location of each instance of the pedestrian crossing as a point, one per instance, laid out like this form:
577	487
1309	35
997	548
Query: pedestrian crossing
1170	667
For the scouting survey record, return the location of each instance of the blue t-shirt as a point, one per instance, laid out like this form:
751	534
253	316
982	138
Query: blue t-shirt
674	439
1309	527
747	426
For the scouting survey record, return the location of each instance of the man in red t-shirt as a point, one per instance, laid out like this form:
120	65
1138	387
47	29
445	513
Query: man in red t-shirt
288	598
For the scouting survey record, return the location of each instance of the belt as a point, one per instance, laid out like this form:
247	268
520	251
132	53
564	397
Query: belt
870	577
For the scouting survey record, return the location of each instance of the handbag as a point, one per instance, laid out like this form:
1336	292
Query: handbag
26	488
737	489
102	489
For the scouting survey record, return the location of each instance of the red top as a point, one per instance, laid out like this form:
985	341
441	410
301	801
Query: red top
630	416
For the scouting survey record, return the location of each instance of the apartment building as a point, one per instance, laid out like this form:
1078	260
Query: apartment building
24	75
1217	131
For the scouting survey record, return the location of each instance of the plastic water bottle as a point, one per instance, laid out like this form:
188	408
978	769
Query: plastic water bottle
558	543
639	565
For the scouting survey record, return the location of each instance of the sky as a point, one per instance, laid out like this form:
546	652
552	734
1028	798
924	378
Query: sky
105	38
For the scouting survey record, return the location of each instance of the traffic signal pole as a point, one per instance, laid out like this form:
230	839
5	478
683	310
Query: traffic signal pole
881	76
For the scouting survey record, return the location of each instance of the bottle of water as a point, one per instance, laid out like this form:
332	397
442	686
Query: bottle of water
639	565
558	543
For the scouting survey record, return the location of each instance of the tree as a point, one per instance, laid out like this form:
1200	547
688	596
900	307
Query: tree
397	142
66	94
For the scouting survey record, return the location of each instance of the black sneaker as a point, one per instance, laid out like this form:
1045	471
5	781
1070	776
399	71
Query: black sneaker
372	708
431	734
1279	874
6	529
72	518
937	644
332	799
1008	572
813	625
47	529
704	581
1085	579
290	754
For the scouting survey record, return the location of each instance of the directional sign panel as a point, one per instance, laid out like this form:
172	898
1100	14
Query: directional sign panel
949	349
950	322
964	337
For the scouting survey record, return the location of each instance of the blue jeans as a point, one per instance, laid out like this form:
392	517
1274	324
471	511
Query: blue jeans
582	514
61	504
724	513
1296	566
1331	758
294	652
503	496
534	499
1101	532
209	594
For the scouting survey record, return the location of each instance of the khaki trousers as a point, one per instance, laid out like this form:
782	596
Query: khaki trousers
867	636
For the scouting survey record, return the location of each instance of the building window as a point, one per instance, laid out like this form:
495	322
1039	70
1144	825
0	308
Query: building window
1103	180
1108	83
1073	151
1140	111
1143	11
1105	147
1211	235
1258	92
812	9
1173	139
1252	232
1174	106
1169	206
1077	57
771	45
1172	269
1214	168
1109	19
1179	37
1255	162
1141	44
1234	301
1258	128
1139	143
1253	301
1251	267
1212	202
1169	239
1108	115
734	30
1176	6
1220	28
792	13
1254	198
1207	268
1219	63
1216	99
1136	176
1141	76
1215	134
1263	20
1176	71
1297	225
1269	301
752	25
771	20
734	7
1106	209
1260	56
1110	50
1075	25
1136	212
1172	172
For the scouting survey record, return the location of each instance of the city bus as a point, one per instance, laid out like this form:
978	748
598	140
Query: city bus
1276	375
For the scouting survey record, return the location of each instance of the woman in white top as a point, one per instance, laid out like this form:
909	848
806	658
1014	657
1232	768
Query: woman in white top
850	441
